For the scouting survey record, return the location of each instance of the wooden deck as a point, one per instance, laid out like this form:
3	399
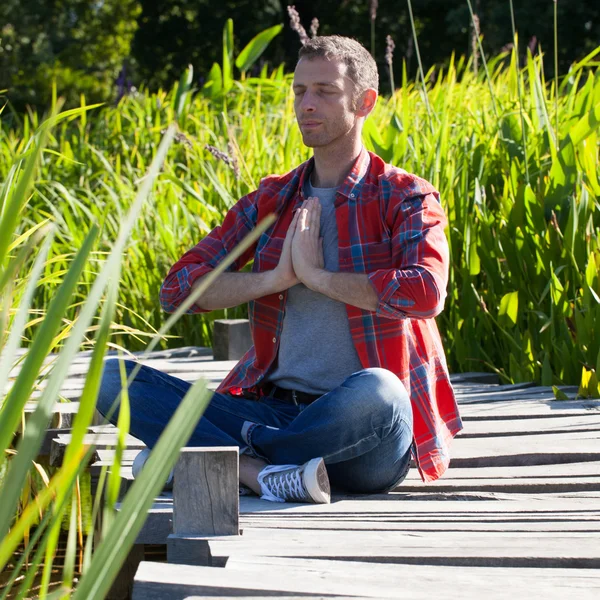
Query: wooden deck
517	514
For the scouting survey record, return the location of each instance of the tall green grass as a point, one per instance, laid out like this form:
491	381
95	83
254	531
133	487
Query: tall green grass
32	519
514	157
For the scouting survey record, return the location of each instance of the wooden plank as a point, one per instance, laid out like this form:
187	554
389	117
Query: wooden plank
473	377
535	426
164	582
123	585
59	444
404	515
409	506
205	502
159	523
205	492
526	450
530	524
534	479
417	581
473	548
528	409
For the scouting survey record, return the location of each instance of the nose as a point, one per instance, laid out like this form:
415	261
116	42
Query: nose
308	102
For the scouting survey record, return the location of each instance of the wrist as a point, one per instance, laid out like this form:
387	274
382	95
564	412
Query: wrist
316	280
279	281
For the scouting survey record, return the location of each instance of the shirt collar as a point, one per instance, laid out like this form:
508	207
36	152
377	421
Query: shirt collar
351	186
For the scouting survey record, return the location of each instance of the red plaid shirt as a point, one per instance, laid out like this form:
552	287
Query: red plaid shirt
391	227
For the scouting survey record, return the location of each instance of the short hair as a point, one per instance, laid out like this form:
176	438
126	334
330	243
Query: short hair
362	69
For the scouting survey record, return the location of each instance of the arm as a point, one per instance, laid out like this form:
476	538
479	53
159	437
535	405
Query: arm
350	288
307	258
416	288
232	289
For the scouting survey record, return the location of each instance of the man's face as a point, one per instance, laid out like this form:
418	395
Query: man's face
323	101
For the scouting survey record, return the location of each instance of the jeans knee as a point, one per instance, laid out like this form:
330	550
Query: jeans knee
384	390
110	385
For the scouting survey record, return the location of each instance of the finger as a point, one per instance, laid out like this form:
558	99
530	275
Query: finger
302	221
292	228
315	218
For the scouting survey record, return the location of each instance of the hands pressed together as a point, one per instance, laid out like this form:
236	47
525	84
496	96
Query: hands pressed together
302	253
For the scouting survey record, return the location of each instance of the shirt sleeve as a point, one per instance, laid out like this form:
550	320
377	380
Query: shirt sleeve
205	256
416	286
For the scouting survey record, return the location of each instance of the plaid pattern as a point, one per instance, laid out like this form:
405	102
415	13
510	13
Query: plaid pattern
391	227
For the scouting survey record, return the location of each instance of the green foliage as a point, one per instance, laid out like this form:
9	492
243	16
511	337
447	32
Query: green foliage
220	79
524	291
79	44
20	514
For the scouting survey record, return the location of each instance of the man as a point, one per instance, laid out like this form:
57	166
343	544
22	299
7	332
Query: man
347	372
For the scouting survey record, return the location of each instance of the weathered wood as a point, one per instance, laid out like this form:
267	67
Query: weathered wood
533	427
159	522
473	548
171	581
358	523
205	492
401	511
441	506
332	578
231	338
415	580
98	440
526	450
188	550
205	502
527	409
122	587
535	479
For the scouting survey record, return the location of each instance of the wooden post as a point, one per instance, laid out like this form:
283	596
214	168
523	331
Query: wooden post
231	338
205	502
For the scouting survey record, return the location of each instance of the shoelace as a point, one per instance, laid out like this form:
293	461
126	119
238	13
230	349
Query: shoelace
279	485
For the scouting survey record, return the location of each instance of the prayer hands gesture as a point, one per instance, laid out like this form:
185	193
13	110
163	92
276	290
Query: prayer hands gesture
302	252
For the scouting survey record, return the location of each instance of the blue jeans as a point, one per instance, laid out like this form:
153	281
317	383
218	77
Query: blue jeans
362	429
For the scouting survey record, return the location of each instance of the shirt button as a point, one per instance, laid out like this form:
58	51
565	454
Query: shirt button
281	296
274	340
351	195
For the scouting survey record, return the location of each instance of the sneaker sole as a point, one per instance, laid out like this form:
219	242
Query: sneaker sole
317	482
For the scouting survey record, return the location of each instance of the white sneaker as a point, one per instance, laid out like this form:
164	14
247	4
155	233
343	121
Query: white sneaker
292	483
138	465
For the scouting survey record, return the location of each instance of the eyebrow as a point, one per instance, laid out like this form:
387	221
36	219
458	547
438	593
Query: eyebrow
318	83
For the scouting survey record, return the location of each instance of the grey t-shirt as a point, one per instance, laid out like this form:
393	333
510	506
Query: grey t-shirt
316	352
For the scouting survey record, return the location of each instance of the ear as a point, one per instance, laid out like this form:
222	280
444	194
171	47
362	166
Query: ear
366	103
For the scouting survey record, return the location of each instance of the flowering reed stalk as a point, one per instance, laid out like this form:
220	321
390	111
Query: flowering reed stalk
314	27
389	58
296	25
475	32
230	161
373	14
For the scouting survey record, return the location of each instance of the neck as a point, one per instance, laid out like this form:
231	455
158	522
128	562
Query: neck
332	164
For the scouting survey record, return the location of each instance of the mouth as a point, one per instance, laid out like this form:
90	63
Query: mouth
310	124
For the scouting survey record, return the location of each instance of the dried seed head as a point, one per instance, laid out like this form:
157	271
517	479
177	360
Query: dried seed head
230	162
314	27
180	138
296	25
235	164
389	50
532	44
475	43
373	9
